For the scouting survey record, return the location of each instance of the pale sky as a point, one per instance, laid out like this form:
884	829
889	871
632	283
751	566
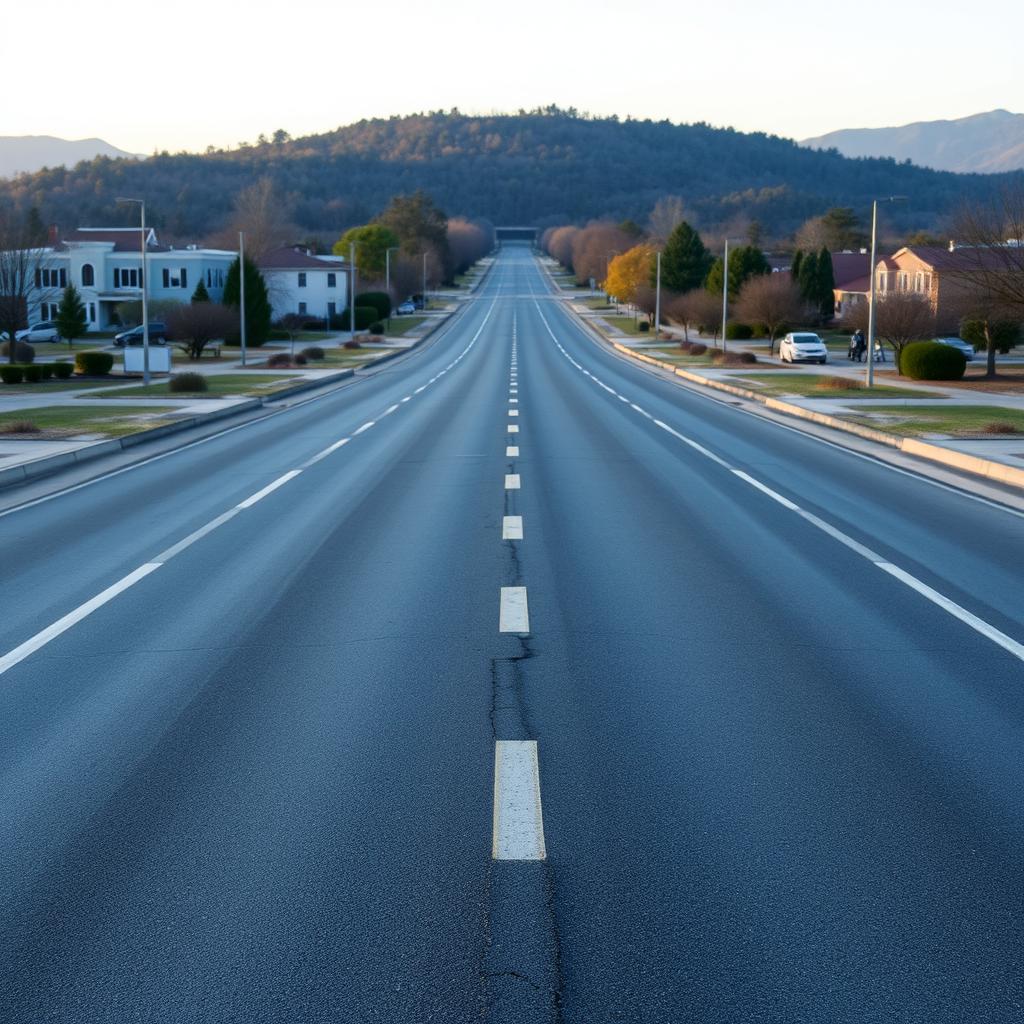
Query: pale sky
184	74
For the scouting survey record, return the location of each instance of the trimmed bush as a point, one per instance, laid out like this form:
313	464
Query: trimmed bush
12	373
94	364
376	327
365	315
279	360
999	427
748	357
352	344
300	360
735	331
380	301
686	346
187	382
314	352
63	370
698	348
33	373
928	360
47	369
23	351
643	326
21	427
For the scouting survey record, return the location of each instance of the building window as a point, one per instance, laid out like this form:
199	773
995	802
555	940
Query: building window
332	308
302	309
302	279
88	276
184	277
91	311
167	277
332	280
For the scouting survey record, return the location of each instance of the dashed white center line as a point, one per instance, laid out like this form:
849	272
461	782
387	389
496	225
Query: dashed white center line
389	410
513	401
365	426
273	486
511	481
514	614
518	818
512	451
512	528
513	428
513	412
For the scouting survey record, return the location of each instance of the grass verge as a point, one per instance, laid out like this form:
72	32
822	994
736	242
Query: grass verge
815	385
62	421
955	421
218	386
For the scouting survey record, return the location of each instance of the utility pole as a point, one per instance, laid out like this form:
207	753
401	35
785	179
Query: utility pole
657	299
352	292
241	291
869	376
725	292
144	282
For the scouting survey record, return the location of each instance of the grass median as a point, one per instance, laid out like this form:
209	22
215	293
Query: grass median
823	385
217	386
62	422
952	420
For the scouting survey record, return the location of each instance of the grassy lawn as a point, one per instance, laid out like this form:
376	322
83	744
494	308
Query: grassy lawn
399	325
58	421
341	358
55	387
814	385
674	354
597	302
61	350
957	420
217	387
627	325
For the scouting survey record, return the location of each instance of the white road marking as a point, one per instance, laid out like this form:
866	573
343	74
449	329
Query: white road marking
389	410
513	428
774	495
365	426
513	401
514	613
511	481
513	412
327	451
422	387
273	486
518	818
51	632
512	528
512	451
166	556
407	398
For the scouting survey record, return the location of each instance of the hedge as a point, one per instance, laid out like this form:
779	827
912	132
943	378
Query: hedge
63	370
365	315
33	373
94	364
380	301
23	351
12	373
735	331
928	360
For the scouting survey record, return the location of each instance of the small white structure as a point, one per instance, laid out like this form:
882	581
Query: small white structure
301	283
105	265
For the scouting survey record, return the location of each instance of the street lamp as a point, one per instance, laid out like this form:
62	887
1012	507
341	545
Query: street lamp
241	292
145	304
869	379
657	298
607	260
424	282
387	269
352	293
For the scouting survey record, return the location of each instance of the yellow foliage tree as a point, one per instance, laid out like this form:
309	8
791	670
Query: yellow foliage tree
629	271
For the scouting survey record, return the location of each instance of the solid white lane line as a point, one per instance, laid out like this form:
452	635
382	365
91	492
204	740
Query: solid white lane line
693	444
838	535
512	451
166	556
327	451
774	495
51	632
514	613
966	617
365	426
518	828
273	486
512	528
513	428
511	481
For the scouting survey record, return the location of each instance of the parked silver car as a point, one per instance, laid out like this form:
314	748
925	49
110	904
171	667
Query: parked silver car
802	347
958	343
45	330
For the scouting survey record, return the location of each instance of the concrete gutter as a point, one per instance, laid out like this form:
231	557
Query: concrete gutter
987	468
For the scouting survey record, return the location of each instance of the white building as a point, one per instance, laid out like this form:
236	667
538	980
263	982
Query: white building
299	282
105	265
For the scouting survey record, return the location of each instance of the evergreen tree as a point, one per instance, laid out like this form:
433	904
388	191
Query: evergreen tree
71	319
794	266
807	279
825	297
257	302
200	294
685	261
745	262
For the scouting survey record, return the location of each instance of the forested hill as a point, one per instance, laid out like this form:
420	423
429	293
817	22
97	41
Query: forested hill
532	168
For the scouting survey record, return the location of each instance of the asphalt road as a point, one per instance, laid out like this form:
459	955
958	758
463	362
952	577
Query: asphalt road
251	695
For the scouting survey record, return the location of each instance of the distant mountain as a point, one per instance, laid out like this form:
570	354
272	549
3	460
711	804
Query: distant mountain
983	143
21	153
540	167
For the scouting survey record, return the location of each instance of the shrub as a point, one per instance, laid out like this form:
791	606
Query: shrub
717	355
928	360
735	331
47	370
376	327
94	364
686	346
21	427
365	315
33	373
279	360
748	357
759	329
12	373
63	370
23	351
643	326
314	352
1000	427
300	360
188	381
352	344
380	301
826	383
698	348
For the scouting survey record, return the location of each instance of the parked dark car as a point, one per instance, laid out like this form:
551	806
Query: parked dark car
157	335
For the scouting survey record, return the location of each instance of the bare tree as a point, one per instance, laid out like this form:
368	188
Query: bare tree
22	253
194	324
773	300
900	318
593	248
264	216
668	213
697	309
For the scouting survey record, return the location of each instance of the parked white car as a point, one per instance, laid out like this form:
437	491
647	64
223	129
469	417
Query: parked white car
960	345
802	347
45	330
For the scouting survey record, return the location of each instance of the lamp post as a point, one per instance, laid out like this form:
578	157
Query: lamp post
145	304
607	262
387	268
869	377
725	292
241	292
352	293
657	298
424	282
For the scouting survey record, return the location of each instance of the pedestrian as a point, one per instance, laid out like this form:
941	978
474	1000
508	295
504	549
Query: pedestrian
859	345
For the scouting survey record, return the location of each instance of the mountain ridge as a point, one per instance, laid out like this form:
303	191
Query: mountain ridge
21	154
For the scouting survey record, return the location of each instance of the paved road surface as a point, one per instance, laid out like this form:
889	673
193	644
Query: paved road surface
251	695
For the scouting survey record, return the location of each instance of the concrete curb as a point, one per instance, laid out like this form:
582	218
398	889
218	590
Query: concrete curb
997	471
